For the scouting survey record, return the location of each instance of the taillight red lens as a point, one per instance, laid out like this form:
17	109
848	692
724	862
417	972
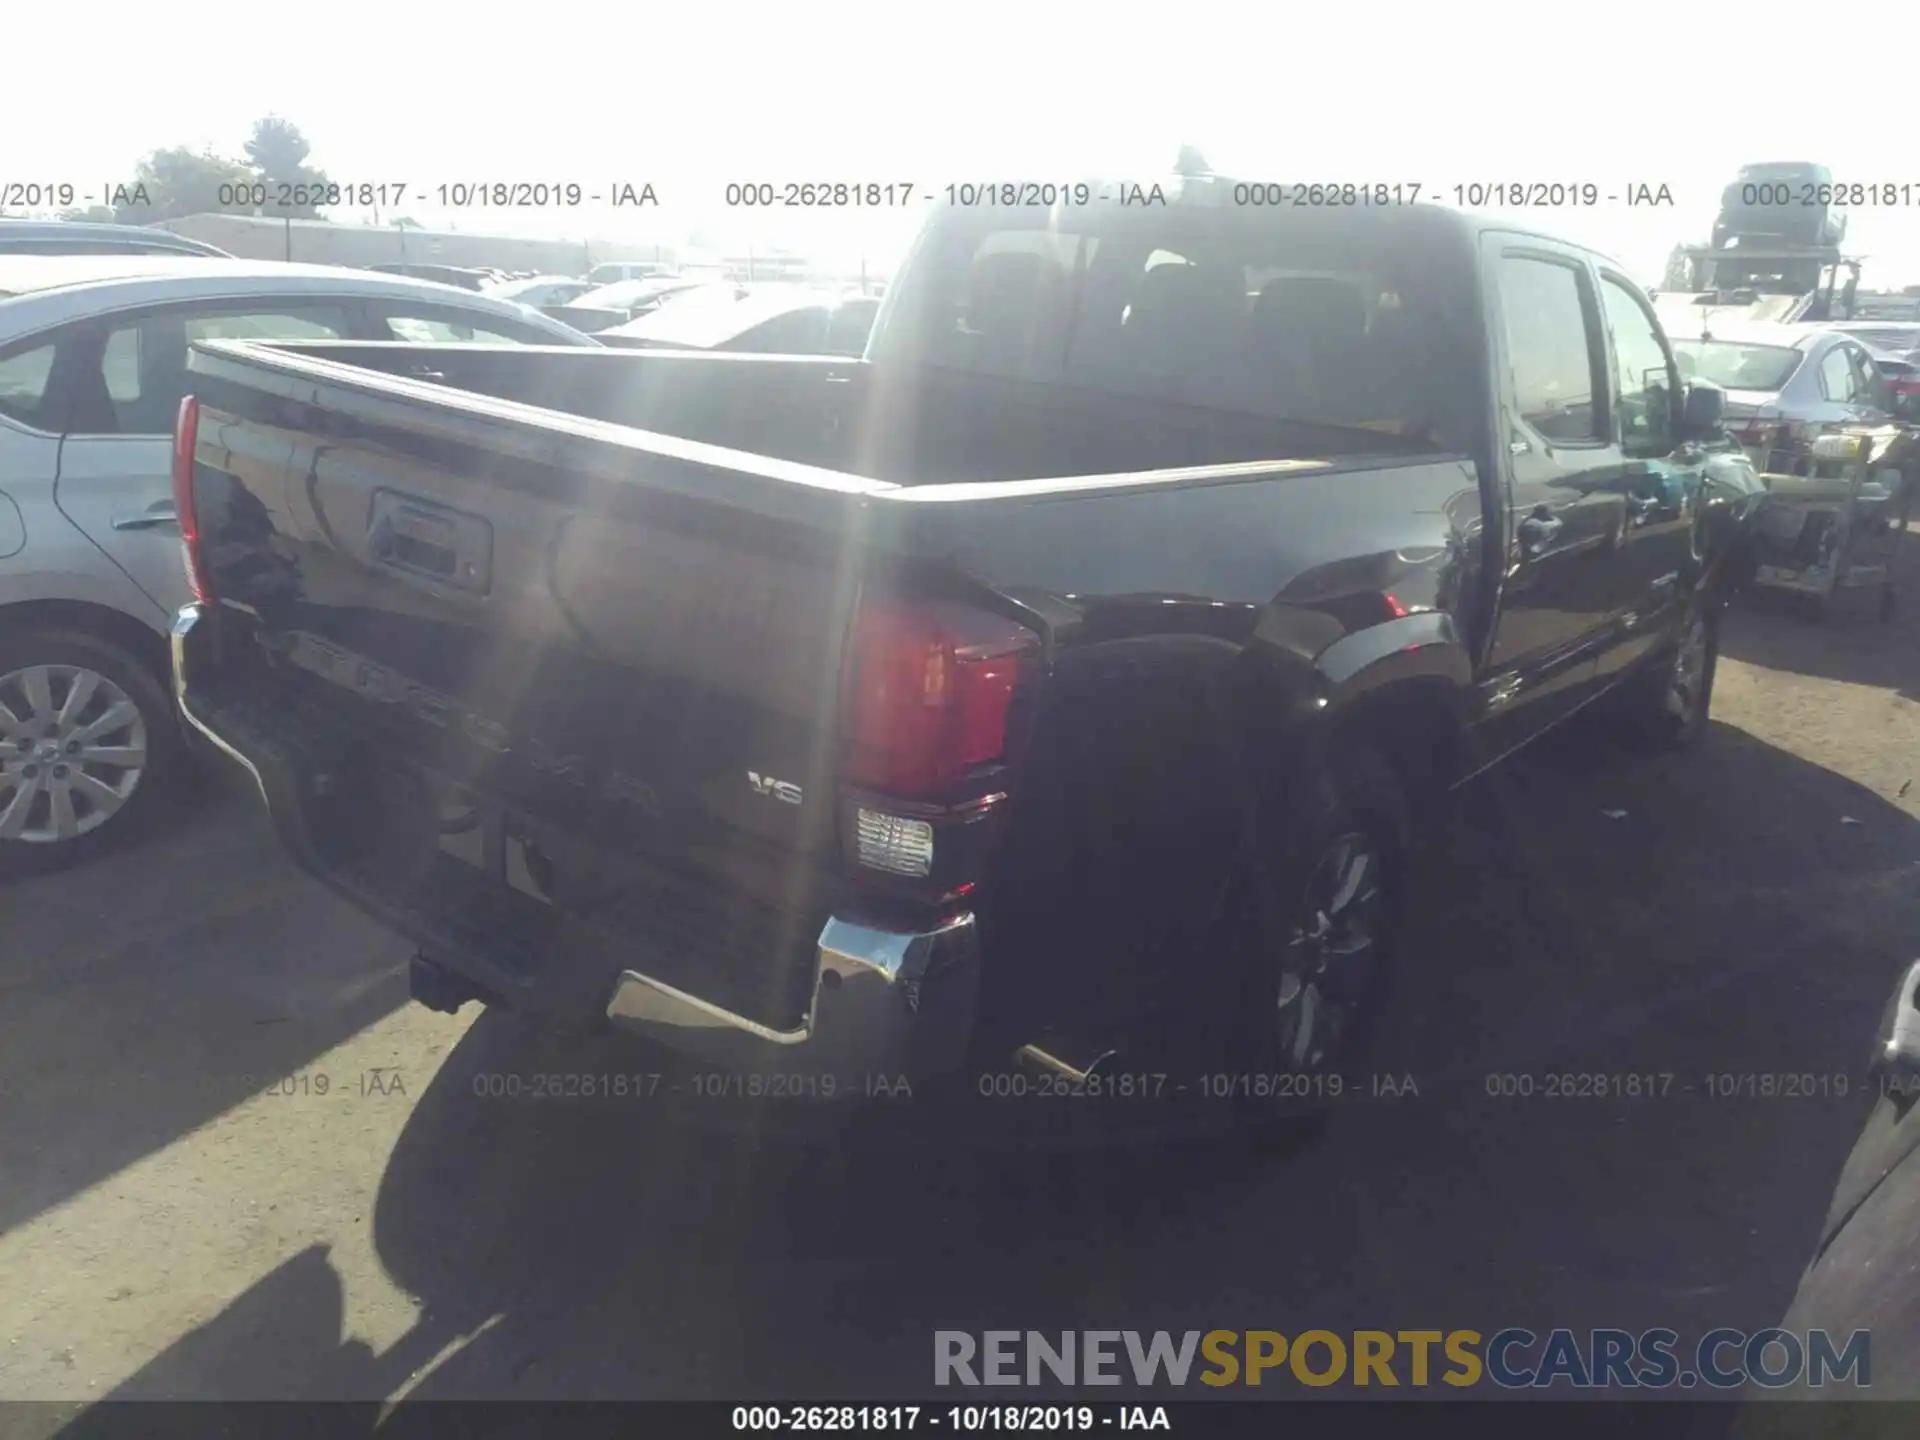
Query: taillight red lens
186	435
928	692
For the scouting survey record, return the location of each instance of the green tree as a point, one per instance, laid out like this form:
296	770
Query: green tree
1678	272
170	184
1191	162
279	153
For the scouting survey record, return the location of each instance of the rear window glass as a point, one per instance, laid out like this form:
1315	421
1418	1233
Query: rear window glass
1328	323
852	323
23	382
1887	337
439	330
1736	367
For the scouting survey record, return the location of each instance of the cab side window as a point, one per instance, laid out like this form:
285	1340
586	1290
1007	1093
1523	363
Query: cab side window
1643	374
1551	349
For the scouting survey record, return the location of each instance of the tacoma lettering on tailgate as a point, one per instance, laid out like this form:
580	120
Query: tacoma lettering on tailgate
373	681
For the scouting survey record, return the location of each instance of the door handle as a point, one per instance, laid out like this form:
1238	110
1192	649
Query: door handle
161	513
1538	531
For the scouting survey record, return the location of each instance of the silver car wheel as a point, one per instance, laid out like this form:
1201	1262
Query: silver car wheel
73	746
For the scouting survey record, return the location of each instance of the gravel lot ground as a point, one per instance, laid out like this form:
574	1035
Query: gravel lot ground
182	1214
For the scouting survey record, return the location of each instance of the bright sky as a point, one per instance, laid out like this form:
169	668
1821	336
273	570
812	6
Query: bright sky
690	98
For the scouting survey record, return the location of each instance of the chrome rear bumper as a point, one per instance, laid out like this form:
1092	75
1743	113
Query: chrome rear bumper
885	1003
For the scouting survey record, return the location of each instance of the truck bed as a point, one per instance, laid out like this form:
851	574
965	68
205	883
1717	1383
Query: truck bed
910	427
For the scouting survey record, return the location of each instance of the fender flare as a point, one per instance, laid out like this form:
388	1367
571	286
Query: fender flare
1425	647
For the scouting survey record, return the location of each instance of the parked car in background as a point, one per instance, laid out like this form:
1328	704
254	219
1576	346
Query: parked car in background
463	277
608	305
768	320
538	290
93	353
80	237
1786	385
1884	337
1903	385
1780	200
615	271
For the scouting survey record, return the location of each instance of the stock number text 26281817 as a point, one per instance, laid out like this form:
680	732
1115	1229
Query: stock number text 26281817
1340	194
273	195
819	194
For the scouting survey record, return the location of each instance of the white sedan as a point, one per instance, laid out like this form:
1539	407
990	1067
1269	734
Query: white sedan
93	365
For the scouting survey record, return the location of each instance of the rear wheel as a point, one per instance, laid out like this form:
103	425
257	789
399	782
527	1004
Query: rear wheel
1320	939
89	749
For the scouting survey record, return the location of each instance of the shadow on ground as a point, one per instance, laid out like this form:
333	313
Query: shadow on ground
1725	924
136	1005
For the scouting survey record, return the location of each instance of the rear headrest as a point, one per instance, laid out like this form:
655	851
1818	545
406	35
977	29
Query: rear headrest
1331	309
1184	290
1004	290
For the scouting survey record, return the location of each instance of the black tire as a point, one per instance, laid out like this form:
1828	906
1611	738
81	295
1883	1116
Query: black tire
1285	927
161	777
1657	718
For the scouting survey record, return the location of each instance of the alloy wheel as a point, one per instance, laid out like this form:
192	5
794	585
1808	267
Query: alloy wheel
73	747
1331	951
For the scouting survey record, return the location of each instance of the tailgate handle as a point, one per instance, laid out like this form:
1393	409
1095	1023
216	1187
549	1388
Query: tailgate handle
422	538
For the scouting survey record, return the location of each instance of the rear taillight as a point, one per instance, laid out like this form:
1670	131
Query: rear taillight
186	435
929	688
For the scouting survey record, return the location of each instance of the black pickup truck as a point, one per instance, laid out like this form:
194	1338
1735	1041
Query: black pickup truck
1062	679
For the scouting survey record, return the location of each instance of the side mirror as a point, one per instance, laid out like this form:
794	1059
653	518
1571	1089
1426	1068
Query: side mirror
1701	414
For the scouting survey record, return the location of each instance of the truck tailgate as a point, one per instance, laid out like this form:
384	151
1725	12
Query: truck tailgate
595	680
